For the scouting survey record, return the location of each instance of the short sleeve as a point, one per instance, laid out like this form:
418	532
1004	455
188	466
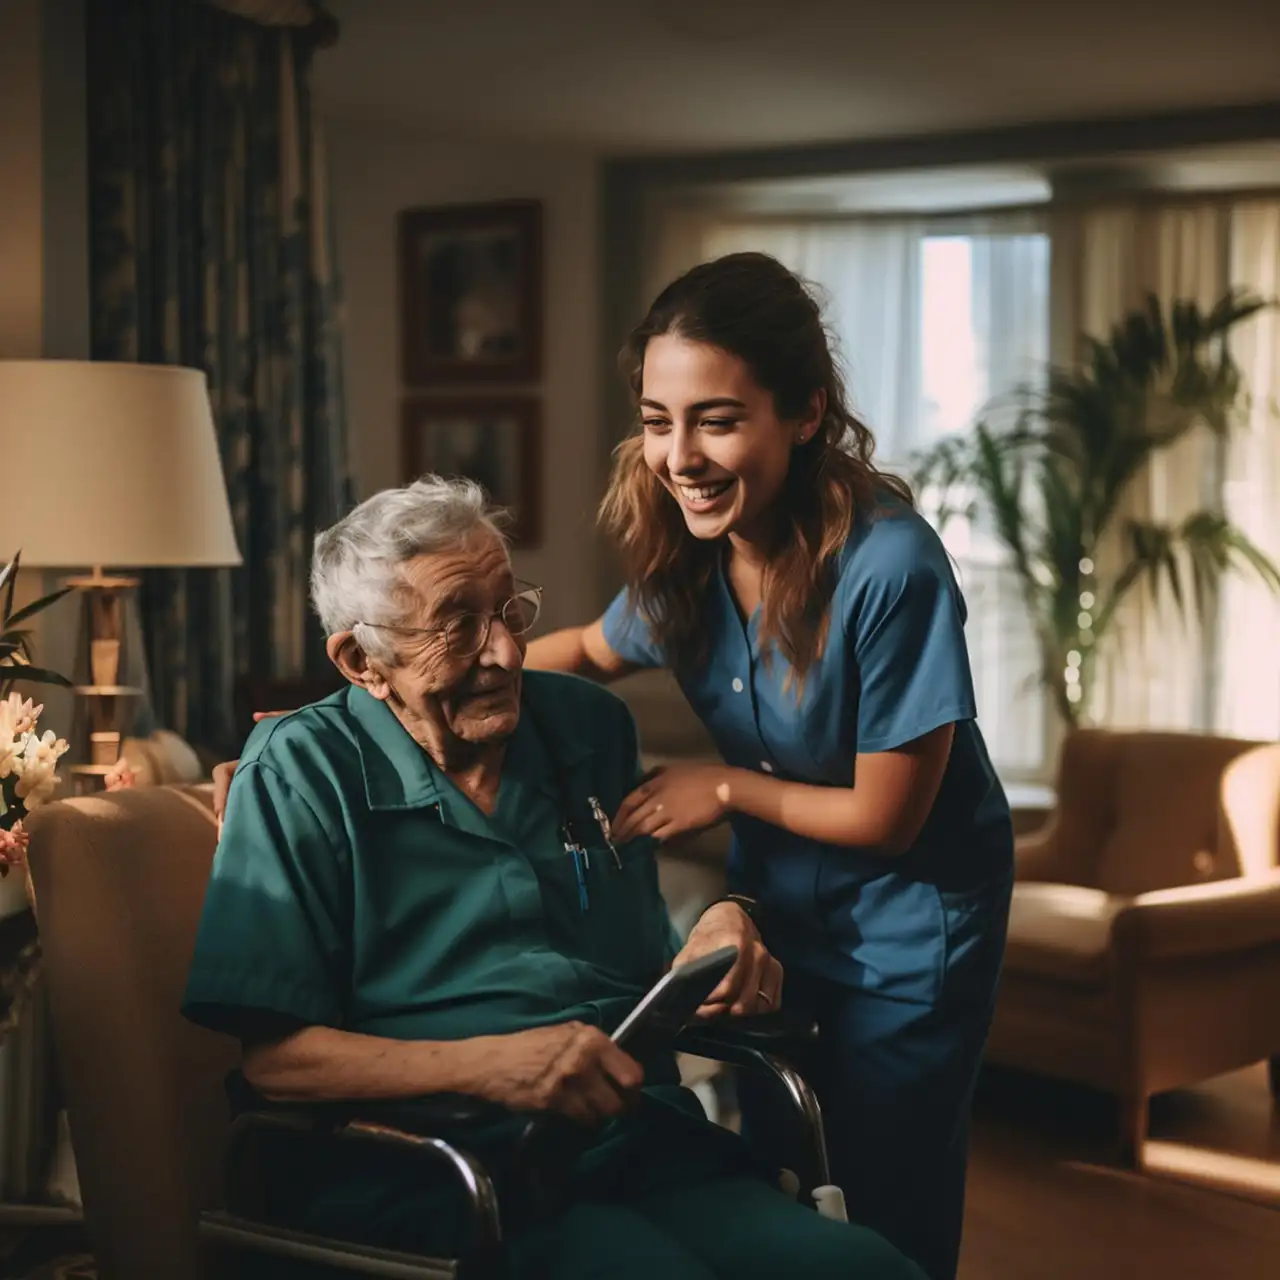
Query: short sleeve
906	638
627	633
272	935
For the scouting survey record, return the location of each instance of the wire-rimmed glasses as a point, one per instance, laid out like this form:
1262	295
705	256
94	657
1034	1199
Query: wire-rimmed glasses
466	634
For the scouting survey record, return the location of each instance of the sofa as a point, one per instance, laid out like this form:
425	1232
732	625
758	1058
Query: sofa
1144	934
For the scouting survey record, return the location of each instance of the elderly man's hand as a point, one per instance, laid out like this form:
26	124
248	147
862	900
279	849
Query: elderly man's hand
754	984
573	1069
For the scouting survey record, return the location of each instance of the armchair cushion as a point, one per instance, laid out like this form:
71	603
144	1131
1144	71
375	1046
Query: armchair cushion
1061	932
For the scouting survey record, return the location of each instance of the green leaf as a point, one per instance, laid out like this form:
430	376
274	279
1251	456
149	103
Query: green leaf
8	580
34	675
29	611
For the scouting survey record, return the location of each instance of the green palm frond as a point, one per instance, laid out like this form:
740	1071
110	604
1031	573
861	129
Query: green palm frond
1216	547
1055	482
9	580
36	606
15	640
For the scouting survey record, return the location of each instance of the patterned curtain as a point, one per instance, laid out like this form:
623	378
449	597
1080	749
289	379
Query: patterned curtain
211	246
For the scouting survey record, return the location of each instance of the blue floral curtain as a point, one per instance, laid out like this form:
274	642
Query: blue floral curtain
211	246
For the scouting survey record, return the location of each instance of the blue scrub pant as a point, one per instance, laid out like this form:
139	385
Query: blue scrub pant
895	1079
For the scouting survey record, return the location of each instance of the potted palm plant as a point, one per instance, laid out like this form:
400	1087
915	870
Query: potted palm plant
1052	482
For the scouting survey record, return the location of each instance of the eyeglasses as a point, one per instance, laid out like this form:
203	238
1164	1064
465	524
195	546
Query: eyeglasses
466	634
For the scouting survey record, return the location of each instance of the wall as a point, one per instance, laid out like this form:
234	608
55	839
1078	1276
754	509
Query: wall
377	170
22	194
44	262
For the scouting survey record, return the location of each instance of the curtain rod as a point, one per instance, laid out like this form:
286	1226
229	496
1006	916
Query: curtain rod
1209	196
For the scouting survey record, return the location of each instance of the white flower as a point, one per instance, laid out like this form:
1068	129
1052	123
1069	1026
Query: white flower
10	750
19	715
37	769
17	720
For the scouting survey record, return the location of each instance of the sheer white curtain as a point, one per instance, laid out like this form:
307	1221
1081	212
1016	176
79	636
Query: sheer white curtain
870	275
1248	690
933	320
1157	672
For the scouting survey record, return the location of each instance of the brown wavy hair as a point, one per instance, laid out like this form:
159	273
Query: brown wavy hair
753	307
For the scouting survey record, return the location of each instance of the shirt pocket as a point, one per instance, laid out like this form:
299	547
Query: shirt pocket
624	928
977	923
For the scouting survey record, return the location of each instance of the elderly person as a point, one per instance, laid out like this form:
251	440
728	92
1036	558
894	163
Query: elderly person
392	913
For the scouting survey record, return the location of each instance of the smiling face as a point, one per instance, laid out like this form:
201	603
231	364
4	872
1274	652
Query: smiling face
450	702
713	437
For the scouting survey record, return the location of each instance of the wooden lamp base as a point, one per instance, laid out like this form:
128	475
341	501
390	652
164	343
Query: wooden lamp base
101	698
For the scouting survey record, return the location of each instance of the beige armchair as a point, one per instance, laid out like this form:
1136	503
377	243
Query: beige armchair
119	882
1144	936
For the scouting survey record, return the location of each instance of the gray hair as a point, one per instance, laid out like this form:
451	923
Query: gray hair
356	566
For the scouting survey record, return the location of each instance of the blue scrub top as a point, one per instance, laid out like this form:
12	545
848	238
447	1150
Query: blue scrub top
895	667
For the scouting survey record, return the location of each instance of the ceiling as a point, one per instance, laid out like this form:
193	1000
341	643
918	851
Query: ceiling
622	76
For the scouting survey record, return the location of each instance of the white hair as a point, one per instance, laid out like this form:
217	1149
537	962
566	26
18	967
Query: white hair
356	566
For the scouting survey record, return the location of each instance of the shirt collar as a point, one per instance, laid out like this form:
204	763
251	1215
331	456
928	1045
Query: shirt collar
398	773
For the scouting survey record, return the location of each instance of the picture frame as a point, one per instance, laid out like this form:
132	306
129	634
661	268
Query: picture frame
471	294
494	440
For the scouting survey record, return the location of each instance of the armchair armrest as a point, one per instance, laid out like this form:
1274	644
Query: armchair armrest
1202	919
1035	855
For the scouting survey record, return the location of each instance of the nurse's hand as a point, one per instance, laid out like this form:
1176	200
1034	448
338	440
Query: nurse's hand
571	1069
754	984
674	801
223	773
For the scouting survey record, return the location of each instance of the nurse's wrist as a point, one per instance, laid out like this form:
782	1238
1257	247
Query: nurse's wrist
734	905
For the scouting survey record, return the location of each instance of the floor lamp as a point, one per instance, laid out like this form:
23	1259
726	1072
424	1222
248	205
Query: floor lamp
115	466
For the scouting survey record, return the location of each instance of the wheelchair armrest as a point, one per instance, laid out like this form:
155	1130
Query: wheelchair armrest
427	1115
411	1124
742	1041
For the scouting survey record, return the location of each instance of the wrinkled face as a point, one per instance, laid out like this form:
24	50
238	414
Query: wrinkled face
448	697
713	436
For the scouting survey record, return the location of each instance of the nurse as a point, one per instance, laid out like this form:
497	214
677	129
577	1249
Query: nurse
813	621
411	896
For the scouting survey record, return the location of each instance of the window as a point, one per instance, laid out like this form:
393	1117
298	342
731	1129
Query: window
936	322
984	329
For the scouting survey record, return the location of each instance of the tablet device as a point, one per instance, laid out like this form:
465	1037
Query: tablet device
671	1003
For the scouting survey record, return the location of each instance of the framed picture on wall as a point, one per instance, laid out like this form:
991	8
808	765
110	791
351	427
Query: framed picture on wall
493	440
471	294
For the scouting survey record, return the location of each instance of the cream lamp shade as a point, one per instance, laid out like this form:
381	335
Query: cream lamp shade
111	464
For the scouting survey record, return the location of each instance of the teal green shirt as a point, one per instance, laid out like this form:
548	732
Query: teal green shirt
355	887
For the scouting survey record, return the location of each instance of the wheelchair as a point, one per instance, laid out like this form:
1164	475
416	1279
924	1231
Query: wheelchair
767	1044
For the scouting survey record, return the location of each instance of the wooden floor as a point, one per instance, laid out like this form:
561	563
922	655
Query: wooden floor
1047	1202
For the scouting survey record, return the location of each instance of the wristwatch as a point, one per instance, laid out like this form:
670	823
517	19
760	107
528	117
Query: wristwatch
752	909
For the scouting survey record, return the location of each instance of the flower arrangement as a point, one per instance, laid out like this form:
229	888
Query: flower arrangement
28	773
28	759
